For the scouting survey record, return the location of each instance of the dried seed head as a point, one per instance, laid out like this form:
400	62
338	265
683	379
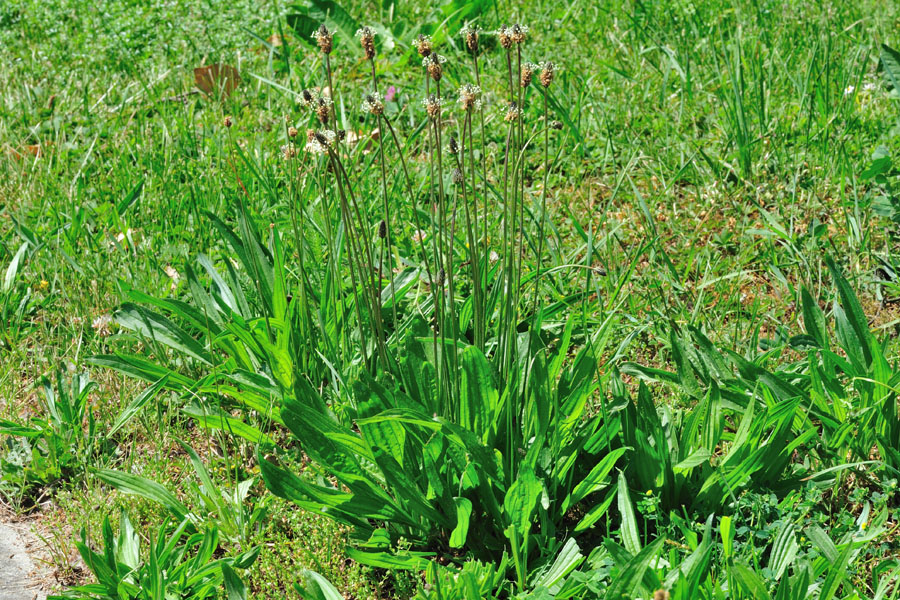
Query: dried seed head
512	112
324	38
372	105
457	176
423	45
505	35
432	106
470	35
441	277
548	69
366	37
528	70
469	96
661	595
292	132
341	134
433	64
288	151
518	33
382	229
454	145
227	121
557	125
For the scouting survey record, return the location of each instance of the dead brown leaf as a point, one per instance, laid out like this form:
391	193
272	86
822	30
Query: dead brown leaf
217	78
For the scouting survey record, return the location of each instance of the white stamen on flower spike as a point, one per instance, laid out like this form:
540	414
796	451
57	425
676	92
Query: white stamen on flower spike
433	105
469	97
470	35
433	64
423	45
372	105
324	38
366	37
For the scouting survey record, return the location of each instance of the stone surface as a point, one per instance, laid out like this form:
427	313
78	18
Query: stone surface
18	572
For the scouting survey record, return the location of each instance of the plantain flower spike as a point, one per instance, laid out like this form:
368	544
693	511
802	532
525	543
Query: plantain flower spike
469	97
433	63
366	37
505	34
548	70
469	34
527	74
324	38
423	45
518	33
512	112
432	106
372	105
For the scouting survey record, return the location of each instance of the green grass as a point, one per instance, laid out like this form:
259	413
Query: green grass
711	155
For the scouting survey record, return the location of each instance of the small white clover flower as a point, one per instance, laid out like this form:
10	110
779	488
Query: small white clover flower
102	325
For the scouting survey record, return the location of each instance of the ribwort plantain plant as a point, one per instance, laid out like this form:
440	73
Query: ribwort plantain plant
448	372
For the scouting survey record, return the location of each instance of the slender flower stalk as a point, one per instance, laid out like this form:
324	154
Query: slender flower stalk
474	258
350	207
374	105
331	284
469	101
325	39
471	35
518	34
418	223
546	79
508	219
320	143
433	110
